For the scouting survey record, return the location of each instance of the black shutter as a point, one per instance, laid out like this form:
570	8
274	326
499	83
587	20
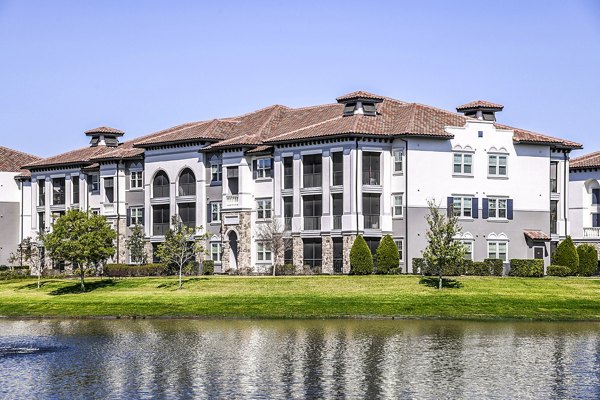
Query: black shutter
509	208
128	216
254	171
449	208
208	214
475	207
272	167
484	210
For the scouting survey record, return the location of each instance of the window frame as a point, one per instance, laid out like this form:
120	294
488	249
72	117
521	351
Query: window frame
41	183
216	172
94	186
470	245
496	209
264	171
496	253
371	168
395	206
59	197
138	218
136	180
461	210
218	212
497	157
216	256
399	242
261	209
75	194
263	252
462	164
398	163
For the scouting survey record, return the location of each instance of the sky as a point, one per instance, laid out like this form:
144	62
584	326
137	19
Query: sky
143	66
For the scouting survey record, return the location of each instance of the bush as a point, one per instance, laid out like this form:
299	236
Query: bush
361	260
558	270
496	266
125	270
527	267
285	269
455	270
588	260
566	254
387	255
418	266
208	267
478	268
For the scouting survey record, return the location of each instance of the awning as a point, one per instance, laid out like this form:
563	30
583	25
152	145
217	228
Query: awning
536	235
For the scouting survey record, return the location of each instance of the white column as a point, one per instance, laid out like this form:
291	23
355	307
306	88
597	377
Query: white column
326	219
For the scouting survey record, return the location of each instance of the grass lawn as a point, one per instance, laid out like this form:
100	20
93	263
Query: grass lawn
479	298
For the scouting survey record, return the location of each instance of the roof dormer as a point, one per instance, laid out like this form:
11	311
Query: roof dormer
480	109
361	103
104	136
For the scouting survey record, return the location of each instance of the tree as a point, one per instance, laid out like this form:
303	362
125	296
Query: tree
588	260
442	251
271	234
566	255
180	246
136	245
387	255
361	259
83	238
30	252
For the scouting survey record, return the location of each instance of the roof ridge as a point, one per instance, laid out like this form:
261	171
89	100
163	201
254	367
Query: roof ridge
21	152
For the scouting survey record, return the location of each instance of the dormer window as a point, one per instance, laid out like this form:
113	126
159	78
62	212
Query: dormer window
349	109
369	109
480	109
104	136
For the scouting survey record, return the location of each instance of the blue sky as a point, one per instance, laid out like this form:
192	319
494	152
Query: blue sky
142	66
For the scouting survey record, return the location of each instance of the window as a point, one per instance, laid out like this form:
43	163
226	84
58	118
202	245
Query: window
312	207
263	207
468	249
312	253
463	206
312	168
41	192
41	221
288	211
463	163
497	208
109	190
371	210
595	196
400	246
553	215
135	180
160	186
215	252
369	109
397	154
215	211
136	216
94	183
498	250
349	109
95	211
397	205
263	251
370	168
216	172
337	159
288	172
263	168
595	220
58	191
497	165
160	219
187	183
187	213
554	177
75	189
338	209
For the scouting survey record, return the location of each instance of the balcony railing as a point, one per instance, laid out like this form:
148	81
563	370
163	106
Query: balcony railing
371	177
338	178
288	181
371	221
312	223
553	185
338	265
109	208
287	223
232	200
337	222
312	180
160	229
591	232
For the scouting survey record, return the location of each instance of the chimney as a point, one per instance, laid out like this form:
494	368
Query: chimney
480	109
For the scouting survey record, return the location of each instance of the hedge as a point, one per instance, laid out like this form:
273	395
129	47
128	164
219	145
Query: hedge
361	260
526	267
285	269
418	265
566	254
425	269
208	267
588	260
558	270
495	266
387	255
122	270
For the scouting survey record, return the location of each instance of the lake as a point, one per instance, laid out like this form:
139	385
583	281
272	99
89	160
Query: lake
353	359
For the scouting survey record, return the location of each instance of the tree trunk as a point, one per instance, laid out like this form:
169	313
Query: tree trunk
39	278
180	270
440	283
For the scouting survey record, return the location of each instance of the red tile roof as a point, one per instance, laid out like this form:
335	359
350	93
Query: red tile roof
12	160
479	104
105	129
591	160
536	235
359	95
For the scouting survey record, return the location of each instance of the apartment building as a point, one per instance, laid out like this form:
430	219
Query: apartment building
584	199
367	165
15	190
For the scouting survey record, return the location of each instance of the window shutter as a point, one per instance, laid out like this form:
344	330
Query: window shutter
509	208
484	210
449	208
143	216
128	216
208	213
272	167
254	171
475	207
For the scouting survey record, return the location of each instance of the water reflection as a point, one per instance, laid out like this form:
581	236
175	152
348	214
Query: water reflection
298	359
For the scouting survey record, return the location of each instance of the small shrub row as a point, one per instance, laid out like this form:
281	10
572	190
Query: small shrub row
558	270
285	269
208	267
125	270
532	268
487	267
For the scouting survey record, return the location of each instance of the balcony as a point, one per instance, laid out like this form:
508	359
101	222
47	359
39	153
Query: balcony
232	200
312	223
337	222
312	180
591	232
109	208
160	229
287	224
372	222
371	177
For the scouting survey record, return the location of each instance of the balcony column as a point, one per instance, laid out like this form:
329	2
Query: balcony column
352	189
297	201
386	195
326	218
201	205
147	206
277	185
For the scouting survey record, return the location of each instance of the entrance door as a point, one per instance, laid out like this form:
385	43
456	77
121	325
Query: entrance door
538	252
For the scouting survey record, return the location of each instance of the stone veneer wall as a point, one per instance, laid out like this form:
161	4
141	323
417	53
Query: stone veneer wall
327	254
298	253
347	240
122	232
149	252
244	245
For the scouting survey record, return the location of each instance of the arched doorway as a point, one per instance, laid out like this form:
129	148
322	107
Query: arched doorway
233	250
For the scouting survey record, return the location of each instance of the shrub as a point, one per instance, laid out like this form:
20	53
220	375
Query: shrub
588	260
558	270
455	270
191	268
495	266
566	254
418	266
361	260
387	255
208	267
125	270
527	267
285	269
478	268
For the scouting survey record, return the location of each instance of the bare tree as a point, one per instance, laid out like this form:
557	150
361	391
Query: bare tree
271	233
30	252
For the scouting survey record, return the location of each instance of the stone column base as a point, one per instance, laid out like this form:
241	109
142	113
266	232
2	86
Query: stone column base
327	254
347	241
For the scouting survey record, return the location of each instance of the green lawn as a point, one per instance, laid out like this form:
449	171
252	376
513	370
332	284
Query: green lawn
481	298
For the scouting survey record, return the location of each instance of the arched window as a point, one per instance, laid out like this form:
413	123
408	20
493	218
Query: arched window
187	183
160	185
